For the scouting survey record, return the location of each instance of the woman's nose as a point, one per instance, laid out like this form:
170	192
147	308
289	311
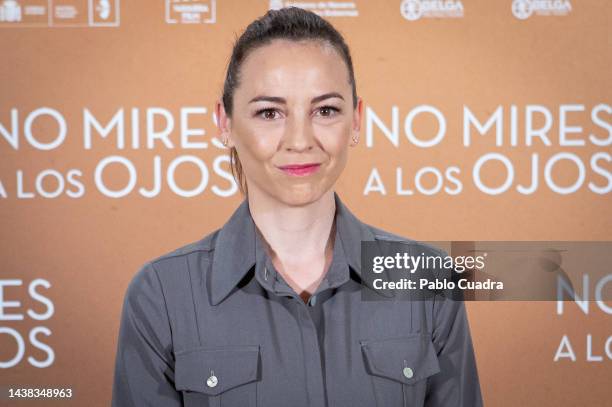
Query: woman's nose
298	134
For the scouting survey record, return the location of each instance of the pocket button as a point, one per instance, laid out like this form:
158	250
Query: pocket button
212	381
408	373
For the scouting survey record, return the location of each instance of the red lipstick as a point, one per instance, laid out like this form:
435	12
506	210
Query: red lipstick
300	170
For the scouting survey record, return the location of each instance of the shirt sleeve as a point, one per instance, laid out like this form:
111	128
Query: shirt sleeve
144	364
457	382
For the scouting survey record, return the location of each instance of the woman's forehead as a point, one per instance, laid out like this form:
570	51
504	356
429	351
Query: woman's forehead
287	46
282	64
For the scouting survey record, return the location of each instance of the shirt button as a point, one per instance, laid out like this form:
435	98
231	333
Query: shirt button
408	373
212	381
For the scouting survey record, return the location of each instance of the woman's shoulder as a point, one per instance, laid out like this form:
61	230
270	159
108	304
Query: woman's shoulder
168	272
382	234
387	236
175	259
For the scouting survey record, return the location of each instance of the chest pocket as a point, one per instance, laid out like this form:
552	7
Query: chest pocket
216	377
399	368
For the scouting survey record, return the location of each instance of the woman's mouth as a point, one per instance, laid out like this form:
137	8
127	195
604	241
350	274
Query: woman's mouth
300	170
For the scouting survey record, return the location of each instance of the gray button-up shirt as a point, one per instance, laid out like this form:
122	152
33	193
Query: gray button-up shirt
213	324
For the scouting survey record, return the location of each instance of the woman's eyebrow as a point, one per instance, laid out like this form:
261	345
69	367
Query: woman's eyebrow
277	99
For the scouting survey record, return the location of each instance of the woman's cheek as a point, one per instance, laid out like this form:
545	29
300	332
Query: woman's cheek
335	143
256	144
264	149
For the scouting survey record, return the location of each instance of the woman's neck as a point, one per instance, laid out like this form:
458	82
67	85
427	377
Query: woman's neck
298	238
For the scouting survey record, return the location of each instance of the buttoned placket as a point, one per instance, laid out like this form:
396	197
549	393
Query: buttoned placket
269	278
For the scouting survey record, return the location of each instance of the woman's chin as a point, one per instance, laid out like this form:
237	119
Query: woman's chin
299	195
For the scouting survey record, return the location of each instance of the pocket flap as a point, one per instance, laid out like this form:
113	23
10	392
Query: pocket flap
405	359
230	366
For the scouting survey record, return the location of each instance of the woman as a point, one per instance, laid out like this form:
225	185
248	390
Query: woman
267	311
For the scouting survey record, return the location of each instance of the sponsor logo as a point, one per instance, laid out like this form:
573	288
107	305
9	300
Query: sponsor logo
191	12
10	11
322	8
103	9
523	9
413	10
56	13
103	13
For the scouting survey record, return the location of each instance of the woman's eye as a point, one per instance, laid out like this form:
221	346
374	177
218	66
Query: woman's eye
267	114
328	111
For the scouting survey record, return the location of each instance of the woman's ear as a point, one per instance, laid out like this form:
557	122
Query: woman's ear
356	125
224	125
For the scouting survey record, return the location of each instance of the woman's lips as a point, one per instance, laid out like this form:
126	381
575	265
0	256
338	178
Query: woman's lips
300	170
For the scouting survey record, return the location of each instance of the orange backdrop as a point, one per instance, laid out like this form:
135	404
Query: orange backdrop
462	98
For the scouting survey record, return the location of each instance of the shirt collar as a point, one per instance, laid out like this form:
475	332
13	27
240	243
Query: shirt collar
235	247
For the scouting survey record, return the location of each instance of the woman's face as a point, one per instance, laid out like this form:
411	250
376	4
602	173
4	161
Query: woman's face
293	120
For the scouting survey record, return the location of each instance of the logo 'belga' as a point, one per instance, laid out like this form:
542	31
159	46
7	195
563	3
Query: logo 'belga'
523	9
415	9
